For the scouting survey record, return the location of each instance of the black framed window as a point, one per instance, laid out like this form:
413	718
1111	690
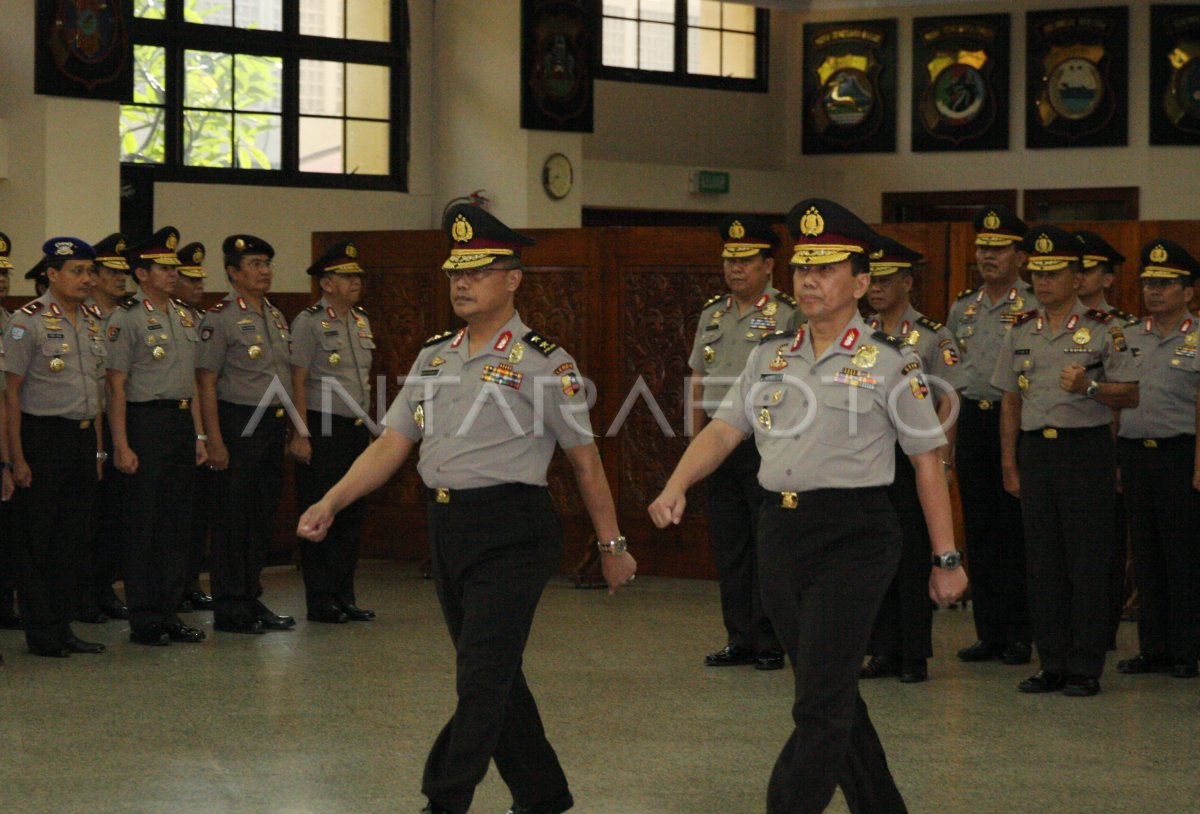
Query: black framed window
276	92
701	43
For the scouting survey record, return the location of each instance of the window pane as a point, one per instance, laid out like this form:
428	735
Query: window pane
656	47
322	18
737	58
209	12
259	83
704	52
207	139
366	148
369	20
710	14
149	74
259	141
208	80
320	145
621	8
737	17
321	87
260	15
150	9
658	10
143	134
620	43
367	91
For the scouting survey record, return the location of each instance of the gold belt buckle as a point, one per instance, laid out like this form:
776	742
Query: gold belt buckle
279	412
1150	443
788	500
441	495
985	404
83	425
1049	432
184	404
358	422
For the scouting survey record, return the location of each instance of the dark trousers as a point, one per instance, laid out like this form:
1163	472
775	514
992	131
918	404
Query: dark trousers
155	512
1162	508
1117	589
329	565
995	540
248	494
55	518
8	561
734	501
100	565
493	551
204	506
904	626
824	568
1067	489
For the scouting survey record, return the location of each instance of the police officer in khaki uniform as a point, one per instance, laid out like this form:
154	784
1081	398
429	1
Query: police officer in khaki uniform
6	268
54	360
979	320
730	326
902	639
332	344
155	426
9	619
488	404
1064	369
1155	448
242	366
827	405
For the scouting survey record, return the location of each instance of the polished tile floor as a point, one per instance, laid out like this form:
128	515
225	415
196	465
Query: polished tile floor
336	719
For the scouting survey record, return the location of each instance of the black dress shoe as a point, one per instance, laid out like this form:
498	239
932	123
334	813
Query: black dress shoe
50	651
980	651
328	615
1184	669
356	614
1142	663
1080	686
78	645
1017	653
914	671
730	656
152	636
434	808
880	667
90	616
272	622
11	621
232	626
1043	681
198	600
179	632
114	608
769	660
555	806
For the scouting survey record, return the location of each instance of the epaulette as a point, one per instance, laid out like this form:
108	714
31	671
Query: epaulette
33	307
1025	316
540	343
1099	316
315	308
180	303
1125	316
127	303
930	324
768	337
966	293
359	309
219	307
437	339
895	341
271	306
713	300
787	298
94	310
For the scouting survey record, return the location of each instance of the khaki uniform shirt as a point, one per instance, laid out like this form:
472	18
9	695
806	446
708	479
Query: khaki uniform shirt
247	350
155	349
1031	361
1170	379
477	417
1123	317
979	327
62	364
931	341
724	339
334	349
832	422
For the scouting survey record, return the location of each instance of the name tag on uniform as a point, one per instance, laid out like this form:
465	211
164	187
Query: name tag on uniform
1021	352
770	377
432	371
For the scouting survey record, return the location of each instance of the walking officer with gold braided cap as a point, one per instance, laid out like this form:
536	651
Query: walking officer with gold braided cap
9	618
731	325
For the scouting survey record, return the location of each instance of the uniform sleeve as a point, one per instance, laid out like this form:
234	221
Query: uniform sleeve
918	428
1003	376
946	363
564	401
304	340
120	342
213	343
1120	365
733	409
696	359
19	345
399	416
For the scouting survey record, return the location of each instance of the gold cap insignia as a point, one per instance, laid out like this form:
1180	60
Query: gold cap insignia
991	221
877	255
1158	255
461	231
812	224
198	255
736	230
172	241
3	245
351	250
121	245
1044	244
239	244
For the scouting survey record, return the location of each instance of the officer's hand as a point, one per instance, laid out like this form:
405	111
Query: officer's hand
1012	481
21	473
618	570
667	508
300	448
1073	379
314	524
99	471
7	487
218	455
947	586
201	453
125	460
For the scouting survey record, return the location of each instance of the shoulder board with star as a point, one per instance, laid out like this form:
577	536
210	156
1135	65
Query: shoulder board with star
219	307
1125	316
127	303
540	343
713	300
966	293
1099	316
771	336
181	303
1025	316
931	324
787	299
885	337
315	308
437	339
32	308
358	309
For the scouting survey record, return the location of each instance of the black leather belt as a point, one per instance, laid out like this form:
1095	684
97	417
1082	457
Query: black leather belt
1160	443
483	494
1054	433
164	404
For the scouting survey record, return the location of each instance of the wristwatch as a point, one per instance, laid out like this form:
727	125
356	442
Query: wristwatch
949	561
101	456
617	546
1093	389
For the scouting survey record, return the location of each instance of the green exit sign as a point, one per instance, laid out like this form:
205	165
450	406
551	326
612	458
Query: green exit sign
710	182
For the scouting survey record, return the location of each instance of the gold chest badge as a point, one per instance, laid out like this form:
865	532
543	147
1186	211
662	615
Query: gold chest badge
516	354
159	352
914	336
57	364
866	356
764	418
419	416
709	354
1023	382
254	351
1082	336
335	359
770	309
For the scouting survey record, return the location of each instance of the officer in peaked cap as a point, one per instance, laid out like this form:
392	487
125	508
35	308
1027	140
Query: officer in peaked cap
731	325
901	641
54	361
827	404
1100	264
332	344
494	536
979	319
8	614
1064	368
1156	448
38	275
242	363
112	274
6	268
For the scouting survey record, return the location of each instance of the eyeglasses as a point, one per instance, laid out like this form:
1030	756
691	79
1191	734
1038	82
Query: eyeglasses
474	275
261	264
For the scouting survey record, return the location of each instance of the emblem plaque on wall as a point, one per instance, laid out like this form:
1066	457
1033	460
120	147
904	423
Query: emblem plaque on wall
1078	78
83	49
960	83
850	87
1175	74
556	65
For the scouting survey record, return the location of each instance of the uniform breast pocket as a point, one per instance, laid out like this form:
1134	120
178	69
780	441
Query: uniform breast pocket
55	347
191	335
711	346
1022	363
844	408
99	349
332	342
366	342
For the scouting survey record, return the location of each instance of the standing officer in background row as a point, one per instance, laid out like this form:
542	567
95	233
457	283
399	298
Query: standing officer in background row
155	427
54	360
331	385
979	320
244	356
488	404
902	639
1064	368
6	268
827	404
731	325
1156	448
9	618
